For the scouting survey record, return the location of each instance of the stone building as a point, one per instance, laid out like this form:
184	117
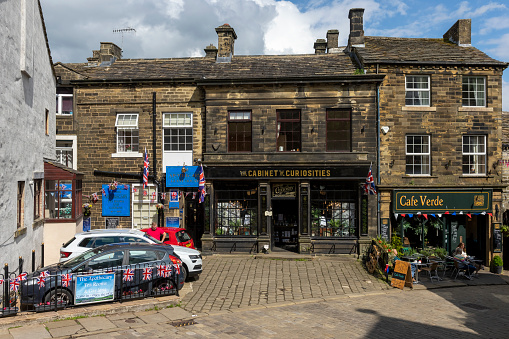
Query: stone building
27	129
286	143
440	181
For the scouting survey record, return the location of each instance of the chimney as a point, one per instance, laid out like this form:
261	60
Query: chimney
356	37
210	51
320	46
226	39
460	33
332	41
106	55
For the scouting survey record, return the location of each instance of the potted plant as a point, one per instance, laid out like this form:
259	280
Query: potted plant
497	264
87	210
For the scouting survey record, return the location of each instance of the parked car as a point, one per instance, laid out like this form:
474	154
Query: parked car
81	242
59	280
176	236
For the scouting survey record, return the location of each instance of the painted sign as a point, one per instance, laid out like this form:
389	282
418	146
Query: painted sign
440	201
94	288
384	228
284	191
117	202
402	275
174	199
176	177
229	172
173	222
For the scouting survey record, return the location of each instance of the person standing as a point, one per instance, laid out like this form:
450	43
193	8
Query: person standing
156	232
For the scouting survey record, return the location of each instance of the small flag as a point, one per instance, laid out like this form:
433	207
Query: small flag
94	197
145	169
163	196
201	185
14	285
128	274
163	271
41	281
369	186
66	279
147	273
103	192
177	268
22	276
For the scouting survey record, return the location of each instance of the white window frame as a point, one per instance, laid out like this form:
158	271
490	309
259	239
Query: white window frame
476	167
59	103
473	93
418	90
423	154
131	127
146	205
177	157
74	141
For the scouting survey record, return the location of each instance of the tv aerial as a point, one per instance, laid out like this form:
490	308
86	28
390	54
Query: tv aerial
122	31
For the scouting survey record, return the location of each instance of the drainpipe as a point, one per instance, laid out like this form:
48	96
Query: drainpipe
378	153
154	152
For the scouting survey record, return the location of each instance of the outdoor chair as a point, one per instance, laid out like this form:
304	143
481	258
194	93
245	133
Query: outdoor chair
432	271
461	269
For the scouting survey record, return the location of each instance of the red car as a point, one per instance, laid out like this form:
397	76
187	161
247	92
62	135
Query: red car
177	236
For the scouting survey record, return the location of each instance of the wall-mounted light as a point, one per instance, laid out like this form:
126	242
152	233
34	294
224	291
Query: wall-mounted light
385	129
391	163
184	169
447	164
263	129
215	130
312	130
197	161
362	129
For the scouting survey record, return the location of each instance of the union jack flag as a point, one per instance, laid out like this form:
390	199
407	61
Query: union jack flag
44	274
22	276
163	271
14	285
201	185
128	274
369	186
41	281
147	273
94	197
66	279
177	268
145	169
103	191
1	281
125	187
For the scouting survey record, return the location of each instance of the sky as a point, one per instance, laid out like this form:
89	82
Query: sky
183	28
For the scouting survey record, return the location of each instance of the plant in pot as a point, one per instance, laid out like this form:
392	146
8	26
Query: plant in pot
497	264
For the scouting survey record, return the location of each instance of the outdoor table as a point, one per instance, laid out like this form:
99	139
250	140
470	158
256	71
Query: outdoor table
417	265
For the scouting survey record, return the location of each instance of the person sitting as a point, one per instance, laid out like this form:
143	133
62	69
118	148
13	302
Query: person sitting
393	256
461	255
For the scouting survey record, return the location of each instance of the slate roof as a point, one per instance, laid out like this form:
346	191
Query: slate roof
421	51
271	67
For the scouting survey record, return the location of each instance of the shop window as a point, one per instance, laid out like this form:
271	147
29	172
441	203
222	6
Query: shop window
127	133
474	154
473	91
339	130
58	199
178	132
417	90
64	101
417	154
37	199
236	210
288	130
333	210
239	131
144	205
21	204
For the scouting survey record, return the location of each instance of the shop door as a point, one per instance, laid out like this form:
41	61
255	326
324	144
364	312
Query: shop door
285	223
458	234
194	220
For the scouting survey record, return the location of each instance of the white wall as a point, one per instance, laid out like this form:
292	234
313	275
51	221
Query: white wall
56	234
27	90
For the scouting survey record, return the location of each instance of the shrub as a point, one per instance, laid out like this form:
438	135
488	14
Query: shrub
497	261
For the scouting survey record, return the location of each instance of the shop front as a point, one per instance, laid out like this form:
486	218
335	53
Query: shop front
444	218
298	209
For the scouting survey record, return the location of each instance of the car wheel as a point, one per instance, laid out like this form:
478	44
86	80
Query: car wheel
63	296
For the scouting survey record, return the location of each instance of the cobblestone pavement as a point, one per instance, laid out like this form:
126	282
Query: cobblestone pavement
239	281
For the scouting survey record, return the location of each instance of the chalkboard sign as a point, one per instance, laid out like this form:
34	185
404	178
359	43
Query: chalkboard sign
112	222
384	228
497	238
402	275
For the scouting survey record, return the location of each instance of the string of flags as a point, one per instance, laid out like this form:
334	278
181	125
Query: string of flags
439	215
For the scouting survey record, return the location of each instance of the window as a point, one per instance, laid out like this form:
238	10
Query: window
473	91
107	260
236	208
288	130
21	204
239	131
339	129
64	151
178	132
58	199
37	199
143	256
46	122
127	133
64	100
144	205
333	210
417	154
417	90
474	154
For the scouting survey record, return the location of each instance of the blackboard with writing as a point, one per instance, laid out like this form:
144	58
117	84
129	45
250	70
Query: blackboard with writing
402	275
497	239
384	228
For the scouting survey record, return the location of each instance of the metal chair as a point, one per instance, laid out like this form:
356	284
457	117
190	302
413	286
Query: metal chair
462	269
432	268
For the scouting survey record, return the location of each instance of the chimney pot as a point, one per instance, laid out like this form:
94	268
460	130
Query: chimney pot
460	33
356	37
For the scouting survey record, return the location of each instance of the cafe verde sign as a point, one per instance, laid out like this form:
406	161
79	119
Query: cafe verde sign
440	201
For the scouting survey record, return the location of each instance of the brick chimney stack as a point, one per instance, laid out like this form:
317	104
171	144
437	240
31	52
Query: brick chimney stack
320	46
106	55
210	51
332	41
460	33
226	40
356	37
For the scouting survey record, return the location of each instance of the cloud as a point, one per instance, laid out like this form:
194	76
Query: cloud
501	49
494	23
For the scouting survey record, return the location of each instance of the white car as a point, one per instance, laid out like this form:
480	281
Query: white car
82	242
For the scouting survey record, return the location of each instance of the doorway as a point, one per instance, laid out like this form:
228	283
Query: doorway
285	221
194	220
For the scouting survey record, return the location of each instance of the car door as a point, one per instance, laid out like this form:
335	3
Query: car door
141	259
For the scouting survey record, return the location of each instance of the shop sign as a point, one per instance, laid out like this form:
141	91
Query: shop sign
173	222
440	201
352	172
288	191
94	288
174	199
178	176
116	203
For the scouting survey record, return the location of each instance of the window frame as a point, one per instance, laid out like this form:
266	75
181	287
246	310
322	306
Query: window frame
124	128
327	141
242	120
476	164
421	154
38	199
188	127
418	90
285	144
468	98
59	103
146	206
20	205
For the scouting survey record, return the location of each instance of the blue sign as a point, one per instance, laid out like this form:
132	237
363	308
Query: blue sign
94	288
117	202
173	222
174	199
175	177
86	224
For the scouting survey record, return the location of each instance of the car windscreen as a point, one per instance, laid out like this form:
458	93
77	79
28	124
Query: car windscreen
82	257
153	239
182	236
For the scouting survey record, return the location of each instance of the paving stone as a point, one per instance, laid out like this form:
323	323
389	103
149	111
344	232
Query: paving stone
96	323
60	323
65	330
30	331
176	313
